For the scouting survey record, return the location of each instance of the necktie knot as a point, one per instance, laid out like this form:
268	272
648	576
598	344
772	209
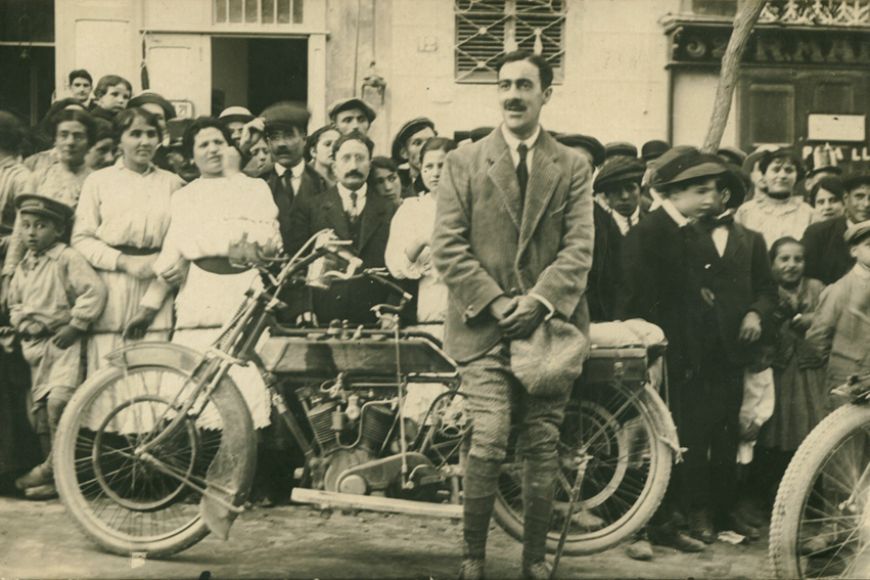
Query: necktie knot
523	150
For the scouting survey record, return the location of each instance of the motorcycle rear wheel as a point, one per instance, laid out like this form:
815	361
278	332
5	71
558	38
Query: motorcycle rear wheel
626	475
122	502
820	526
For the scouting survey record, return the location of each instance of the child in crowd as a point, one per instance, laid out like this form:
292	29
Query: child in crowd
54	296
407	253
840	330
800	393
111	96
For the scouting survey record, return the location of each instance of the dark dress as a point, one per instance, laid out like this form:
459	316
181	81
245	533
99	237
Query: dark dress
800	393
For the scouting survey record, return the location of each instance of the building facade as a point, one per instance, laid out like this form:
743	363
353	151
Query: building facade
625	69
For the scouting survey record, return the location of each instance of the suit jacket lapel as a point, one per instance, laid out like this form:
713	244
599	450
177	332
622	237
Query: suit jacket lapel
334	214
504	175
543	178
372	216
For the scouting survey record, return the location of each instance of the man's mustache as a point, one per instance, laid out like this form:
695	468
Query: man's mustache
354	173
515	105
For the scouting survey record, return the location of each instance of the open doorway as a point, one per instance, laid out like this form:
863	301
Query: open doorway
256	72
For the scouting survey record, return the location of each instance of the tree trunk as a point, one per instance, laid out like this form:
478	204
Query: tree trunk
743	23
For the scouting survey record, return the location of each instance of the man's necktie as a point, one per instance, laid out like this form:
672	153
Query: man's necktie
522	169
353	209
287	184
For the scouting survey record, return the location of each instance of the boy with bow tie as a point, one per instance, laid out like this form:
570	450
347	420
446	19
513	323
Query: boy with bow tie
706	282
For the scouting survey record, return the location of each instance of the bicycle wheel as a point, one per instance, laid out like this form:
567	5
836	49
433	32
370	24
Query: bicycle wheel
820	526
618	428
128	501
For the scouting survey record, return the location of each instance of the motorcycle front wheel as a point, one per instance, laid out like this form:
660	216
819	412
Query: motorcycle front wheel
130	502
820	526
617	428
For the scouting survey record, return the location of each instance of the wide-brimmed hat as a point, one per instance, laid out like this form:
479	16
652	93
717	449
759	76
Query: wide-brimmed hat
732	155
407	131
146	97
684	163
352	103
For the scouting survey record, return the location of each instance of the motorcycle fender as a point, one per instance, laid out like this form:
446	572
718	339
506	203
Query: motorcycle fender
231	473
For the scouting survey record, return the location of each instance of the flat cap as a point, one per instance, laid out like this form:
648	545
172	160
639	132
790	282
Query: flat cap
856	233
617	170
352	103
684	163
854	180
286	114
732	155
587	142
151	97
620	148
653	149
44	206
236	114
406	132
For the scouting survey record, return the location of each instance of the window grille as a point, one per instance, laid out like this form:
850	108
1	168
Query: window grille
487	29
269	12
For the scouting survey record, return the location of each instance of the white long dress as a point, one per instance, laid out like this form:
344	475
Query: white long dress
119	207
208	215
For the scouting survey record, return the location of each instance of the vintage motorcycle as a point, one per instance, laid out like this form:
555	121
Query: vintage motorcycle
158	449
820	525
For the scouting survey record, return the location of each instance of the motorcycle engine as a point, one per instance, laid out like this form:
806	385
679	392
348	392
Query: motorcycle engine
350	430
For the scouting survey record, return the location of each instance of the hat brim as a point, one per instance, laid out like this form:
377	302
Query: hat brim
236	118
705	169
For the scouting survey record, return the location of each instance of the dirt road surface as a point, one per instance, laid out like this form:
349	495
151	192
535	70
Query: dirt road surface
39	540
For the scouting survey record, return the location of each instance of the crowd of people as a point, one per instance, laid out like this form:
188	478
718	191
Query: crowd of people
116	222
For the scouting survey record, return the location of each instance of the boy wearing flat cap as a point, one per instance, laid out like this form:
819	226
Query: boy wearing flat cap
406	150
349	115
685	269
619	181
54	297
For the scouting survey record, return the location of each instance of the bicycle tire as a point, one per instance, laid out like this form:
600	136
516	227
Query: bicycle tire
648	404
231	407
798	482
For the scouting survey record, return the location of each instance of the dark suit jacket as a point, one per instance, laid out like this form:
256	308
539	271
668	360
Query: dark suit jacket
312	182
657	286
488	242
741	281
317	210
827	254
605	274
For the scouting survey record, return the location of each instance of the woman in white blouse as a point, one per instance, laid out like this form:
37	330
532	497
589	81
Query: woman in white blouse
121	221
408	254
209	215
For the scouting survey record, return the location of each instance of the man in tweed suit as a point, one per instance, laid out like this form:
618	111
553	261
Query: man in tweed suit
513	243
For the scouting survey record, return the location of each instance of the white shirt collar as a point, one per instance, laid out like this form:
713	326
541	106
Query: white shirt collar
674	213
513	142
624	222
346	202
296	171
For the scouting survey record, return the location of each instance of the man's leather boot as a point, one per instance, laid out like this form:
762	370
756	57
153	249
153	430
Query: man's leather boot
538	485
479	487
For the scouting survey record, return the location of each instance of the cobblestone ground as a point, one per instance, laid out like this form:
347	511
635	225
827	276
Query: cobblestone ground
38	540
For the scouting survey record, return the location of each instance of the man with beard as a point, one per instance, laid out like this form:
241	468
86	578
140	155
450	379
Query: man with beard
406	149
513	243
827	253
354	213
286	125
